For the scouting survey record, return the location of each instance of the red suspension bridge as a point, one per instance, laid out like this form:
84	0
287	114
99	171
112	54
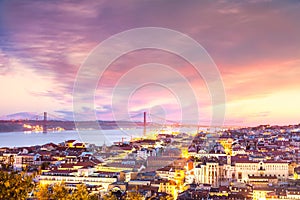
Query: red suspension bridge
48	121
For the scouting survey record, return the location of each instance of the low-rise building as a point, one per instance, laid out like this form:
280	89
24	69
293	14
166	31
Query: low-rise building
74	176
245	168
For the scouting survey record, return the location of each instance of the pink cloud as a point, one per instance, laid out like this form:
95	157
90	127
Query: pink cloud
254	44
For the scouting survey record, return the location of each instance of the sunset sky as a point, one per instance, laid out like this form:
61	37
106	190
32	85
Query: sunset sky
254	44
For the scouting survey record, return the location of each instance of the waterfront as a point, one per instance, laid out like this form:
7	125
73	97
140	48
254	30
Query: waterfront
163	156
19	139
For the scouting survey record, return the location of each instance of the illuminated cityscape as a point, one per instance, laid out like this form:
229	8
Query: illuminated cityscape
149	100
247	163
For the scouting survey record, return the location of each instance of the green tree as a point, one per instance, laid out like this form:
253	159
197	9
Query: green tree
60	191
15	186
110	196
11	161
168	197
94	196
45	165
42	192
81	193
133	195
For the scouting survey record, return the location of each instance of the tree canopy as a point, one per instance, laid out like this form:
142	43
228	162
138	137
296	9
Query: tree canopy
15	186
62	192
19	186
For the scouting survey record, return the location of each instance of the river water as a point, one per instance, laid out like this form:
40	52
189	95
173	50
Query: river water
22	139
98	137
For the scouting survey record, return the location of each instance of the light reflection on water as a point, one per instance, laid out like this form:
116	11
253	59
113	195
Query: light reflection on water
17	139
22	139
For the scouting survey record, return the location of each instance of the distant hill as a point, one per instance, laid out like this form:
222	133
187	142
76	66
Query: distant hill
15	122
29	116
20	116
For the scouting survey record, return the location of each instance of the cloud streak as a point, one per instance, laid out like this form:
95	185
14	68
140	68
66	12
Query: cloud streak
255	45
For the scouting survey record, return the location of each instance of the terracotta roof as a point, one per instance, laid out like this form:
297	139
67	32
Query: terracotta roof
59	172
67	165
85	164
79	144
70	141
276	161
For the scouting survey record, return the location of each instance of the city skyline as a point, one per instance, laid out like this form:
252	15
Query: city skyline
254	44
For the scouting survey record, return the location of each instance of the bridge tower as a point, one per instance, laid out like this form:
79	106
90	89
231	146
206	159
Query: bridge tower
45	123
145	123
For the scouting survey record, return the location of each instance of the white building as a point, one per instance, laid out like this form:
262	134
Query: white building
207	173
244	168
73	177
